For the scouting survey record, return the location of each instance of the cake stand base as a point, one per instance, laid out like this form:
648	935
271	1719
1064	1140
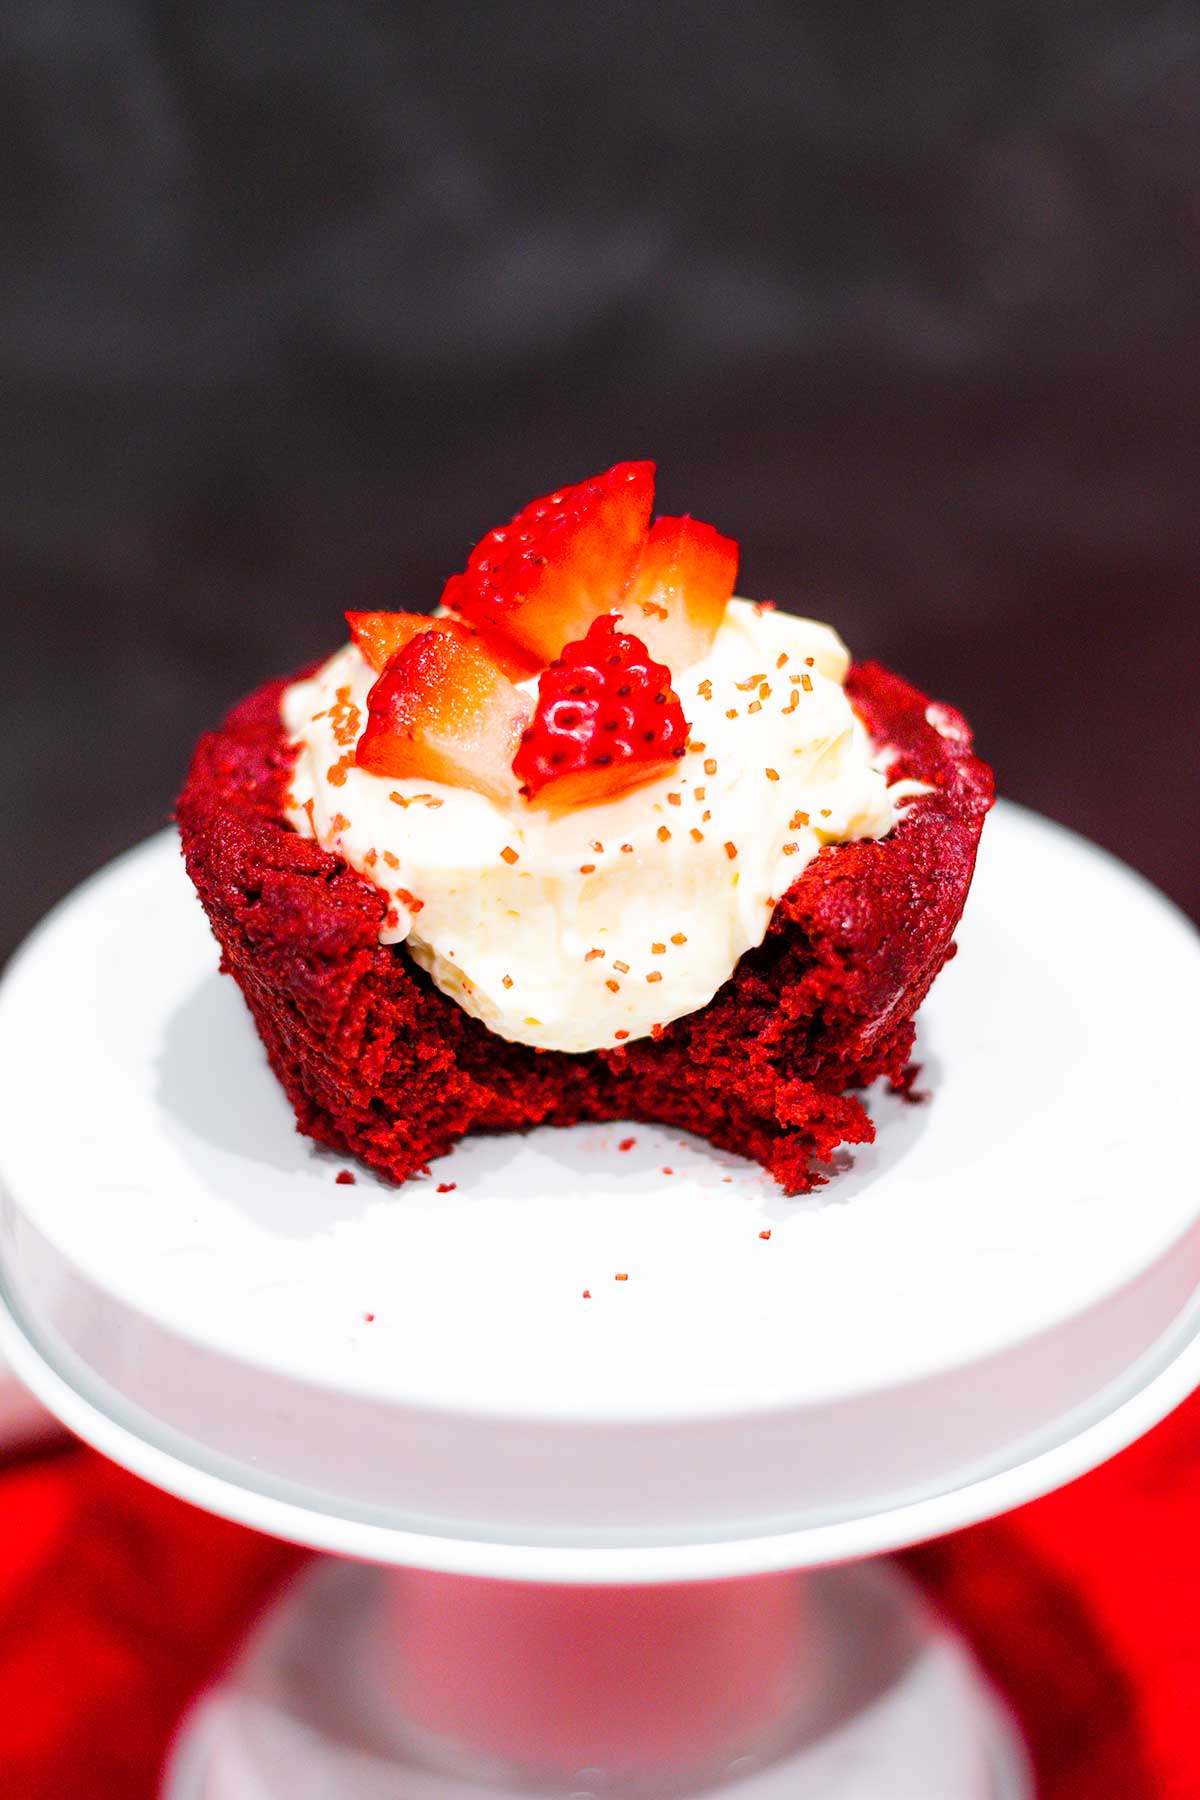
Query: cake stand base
369	1684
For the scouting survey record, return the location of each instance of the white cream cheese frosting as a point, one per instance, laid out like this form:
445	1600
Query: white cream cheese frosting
583	929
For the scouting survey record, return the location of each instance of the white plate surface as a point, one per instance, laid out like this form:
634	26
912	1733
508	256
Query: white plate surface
983	1277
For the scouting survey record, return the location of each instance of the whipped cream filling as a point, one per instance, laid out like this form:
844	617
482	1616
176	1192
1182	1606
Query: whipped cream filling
584	929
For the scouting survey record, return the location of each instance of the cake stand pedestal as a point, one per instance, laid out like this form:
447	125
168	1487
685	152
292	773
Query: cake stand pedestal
600	1437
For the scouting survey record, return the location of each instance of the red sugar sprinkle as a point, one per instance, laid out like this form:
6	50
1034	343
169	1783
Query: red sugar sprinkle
620	1034
668	1171
626	1143
344	1178
446	1187
764	1234
369	1318
587	1293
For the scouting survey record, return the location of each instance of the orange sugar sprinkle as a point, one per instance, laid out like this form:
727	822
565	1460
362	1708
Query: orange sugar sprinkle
674	799
620	1278
654	975
620	1034
732	713
705	689
799	821
627	849
772	774
587	868
509	854
710	767
698	835
410	900
825	813
391	918
614	986
696	746
731	850
792	704
319	715
592	955
597	846
506	981
345	717
810	662
392	861
658	949
663	834
754	706
336	774
622	968
764	692
706	816
372	857
678	937
699	792
790	849
781	659
652	610
339	822
806	683
667	1171
764	1235
751	681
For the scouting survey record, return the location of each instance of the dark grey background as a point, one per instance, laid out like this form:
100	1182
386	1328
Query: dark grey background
297	301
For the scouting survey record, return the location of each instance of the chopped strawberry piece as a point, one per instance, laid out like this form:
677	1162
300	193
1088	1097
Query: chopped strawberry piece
444	712
380	634
606	718
542	579
683	584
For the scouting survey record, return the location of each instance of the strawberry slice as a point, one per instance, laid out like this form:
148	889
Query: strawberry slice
542	579
444	712
682	586
380	634
606	718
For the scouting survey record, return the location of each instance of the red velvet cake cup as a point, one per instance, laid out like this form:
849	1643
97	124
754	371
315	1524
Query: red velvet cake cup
378	1062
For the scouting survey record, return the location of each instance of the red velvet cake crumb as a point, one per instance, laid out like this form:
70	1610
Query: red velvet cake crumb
376	1061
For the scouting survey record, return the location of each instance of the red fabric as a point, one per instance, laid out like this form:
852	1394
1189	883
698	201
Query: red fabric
117	1604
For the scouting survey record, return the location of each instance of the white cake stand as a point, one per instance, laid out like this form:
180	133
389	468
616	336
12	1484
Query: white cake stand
579	1523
